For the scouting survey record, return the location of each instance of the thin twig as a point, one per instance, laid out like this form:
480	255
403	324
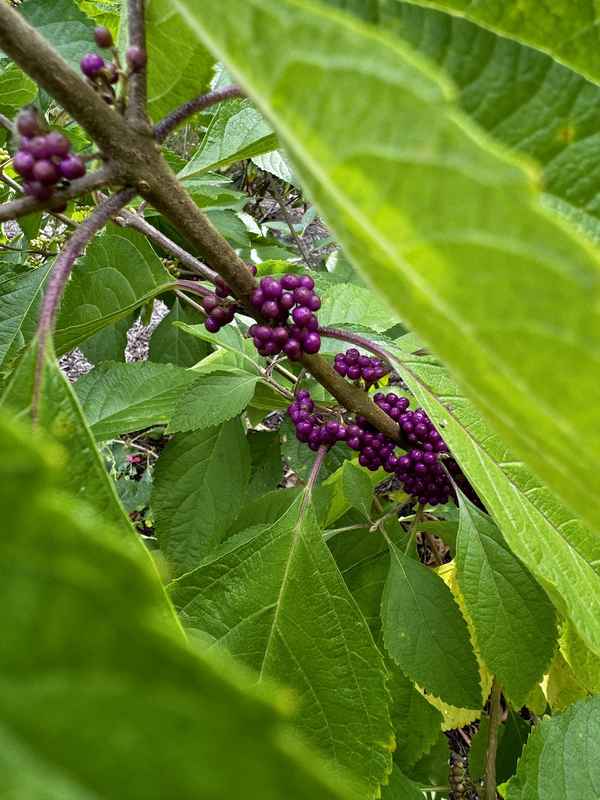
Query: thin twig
28	205
286	215
128	219
312	478
490	756
6	123
414	527
18	188
183	296
138	78
60	274
168	124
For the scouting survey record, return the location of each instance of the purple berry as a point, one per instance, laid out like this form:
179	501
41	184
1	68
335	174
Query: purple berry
270	309
72	168
311	343
290	282
210	302
211	325
28	123
286	301
340	368
307	282
353	372
37	190
302	295
38	147
23	163
314	302
103	37
45	172
352	355
136	58
280	335
301	316
91	64
271	288
261	332
112	73
257	298
57	144
293	349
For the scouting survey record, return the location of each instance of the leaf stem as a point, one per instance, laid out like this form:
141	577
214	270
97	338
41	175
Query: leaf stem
312	478
413	530
60	273
6	123
168	124
492	747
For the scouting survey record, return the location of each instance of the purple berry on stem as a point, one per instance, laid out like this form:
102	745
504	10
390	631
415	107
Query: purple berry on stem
37	190
38	147
28	123
57	144
136	58
91	64
72	168
45	172
257	298
270	309
210	302
301	316
271	288
103	37
23	163
211	325
307	282
290	282
311	343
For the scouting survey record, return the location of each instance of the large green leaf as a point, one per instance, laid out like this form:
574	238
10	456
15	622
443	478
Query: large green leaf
61	417
279	603
199	487
108	344
355	305
416	722
19	302
515	625
212	399
567	30
425	633
401	788
68	29
522	97
555	546
120	398
99	696
533	372
16	88
119	272
562	758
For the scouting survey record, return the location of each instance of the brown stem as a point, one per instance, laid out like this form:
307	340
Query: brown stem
490	756
60	274
138	78
27	205
167	125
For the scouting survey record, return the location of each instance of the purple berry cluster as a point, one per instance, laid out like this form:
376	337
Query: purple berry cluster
311	427
356	367
276	299
220	311
43	159
94	66
419	470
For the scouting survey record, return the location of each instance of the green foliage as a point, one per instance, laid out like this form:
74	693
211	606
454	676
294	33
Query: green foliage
514	621
198	491
69	29
19	301
555	765
170	345
425	633
279	603
71	695
375	191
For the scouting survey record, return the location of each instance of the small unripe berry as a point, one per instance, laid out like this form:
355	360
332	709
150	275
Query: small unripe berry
136	58
103	37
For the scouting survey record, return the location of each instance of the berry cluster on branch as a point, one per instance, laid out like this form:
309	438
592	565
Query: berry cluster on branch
356	367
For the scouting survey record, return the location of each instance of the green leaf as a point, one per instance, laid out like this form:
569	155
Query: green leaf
231	339
374	180
77	720
353	305
555	546
416	722
69	30
401	788
584	664
121	398
118	273
237	131
266	464
16	89
200	482
357	487
569	33
61	417
279	603
563	687
562	757
109	343
211	400
169	344
425	633
515	623
19	302
178	67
